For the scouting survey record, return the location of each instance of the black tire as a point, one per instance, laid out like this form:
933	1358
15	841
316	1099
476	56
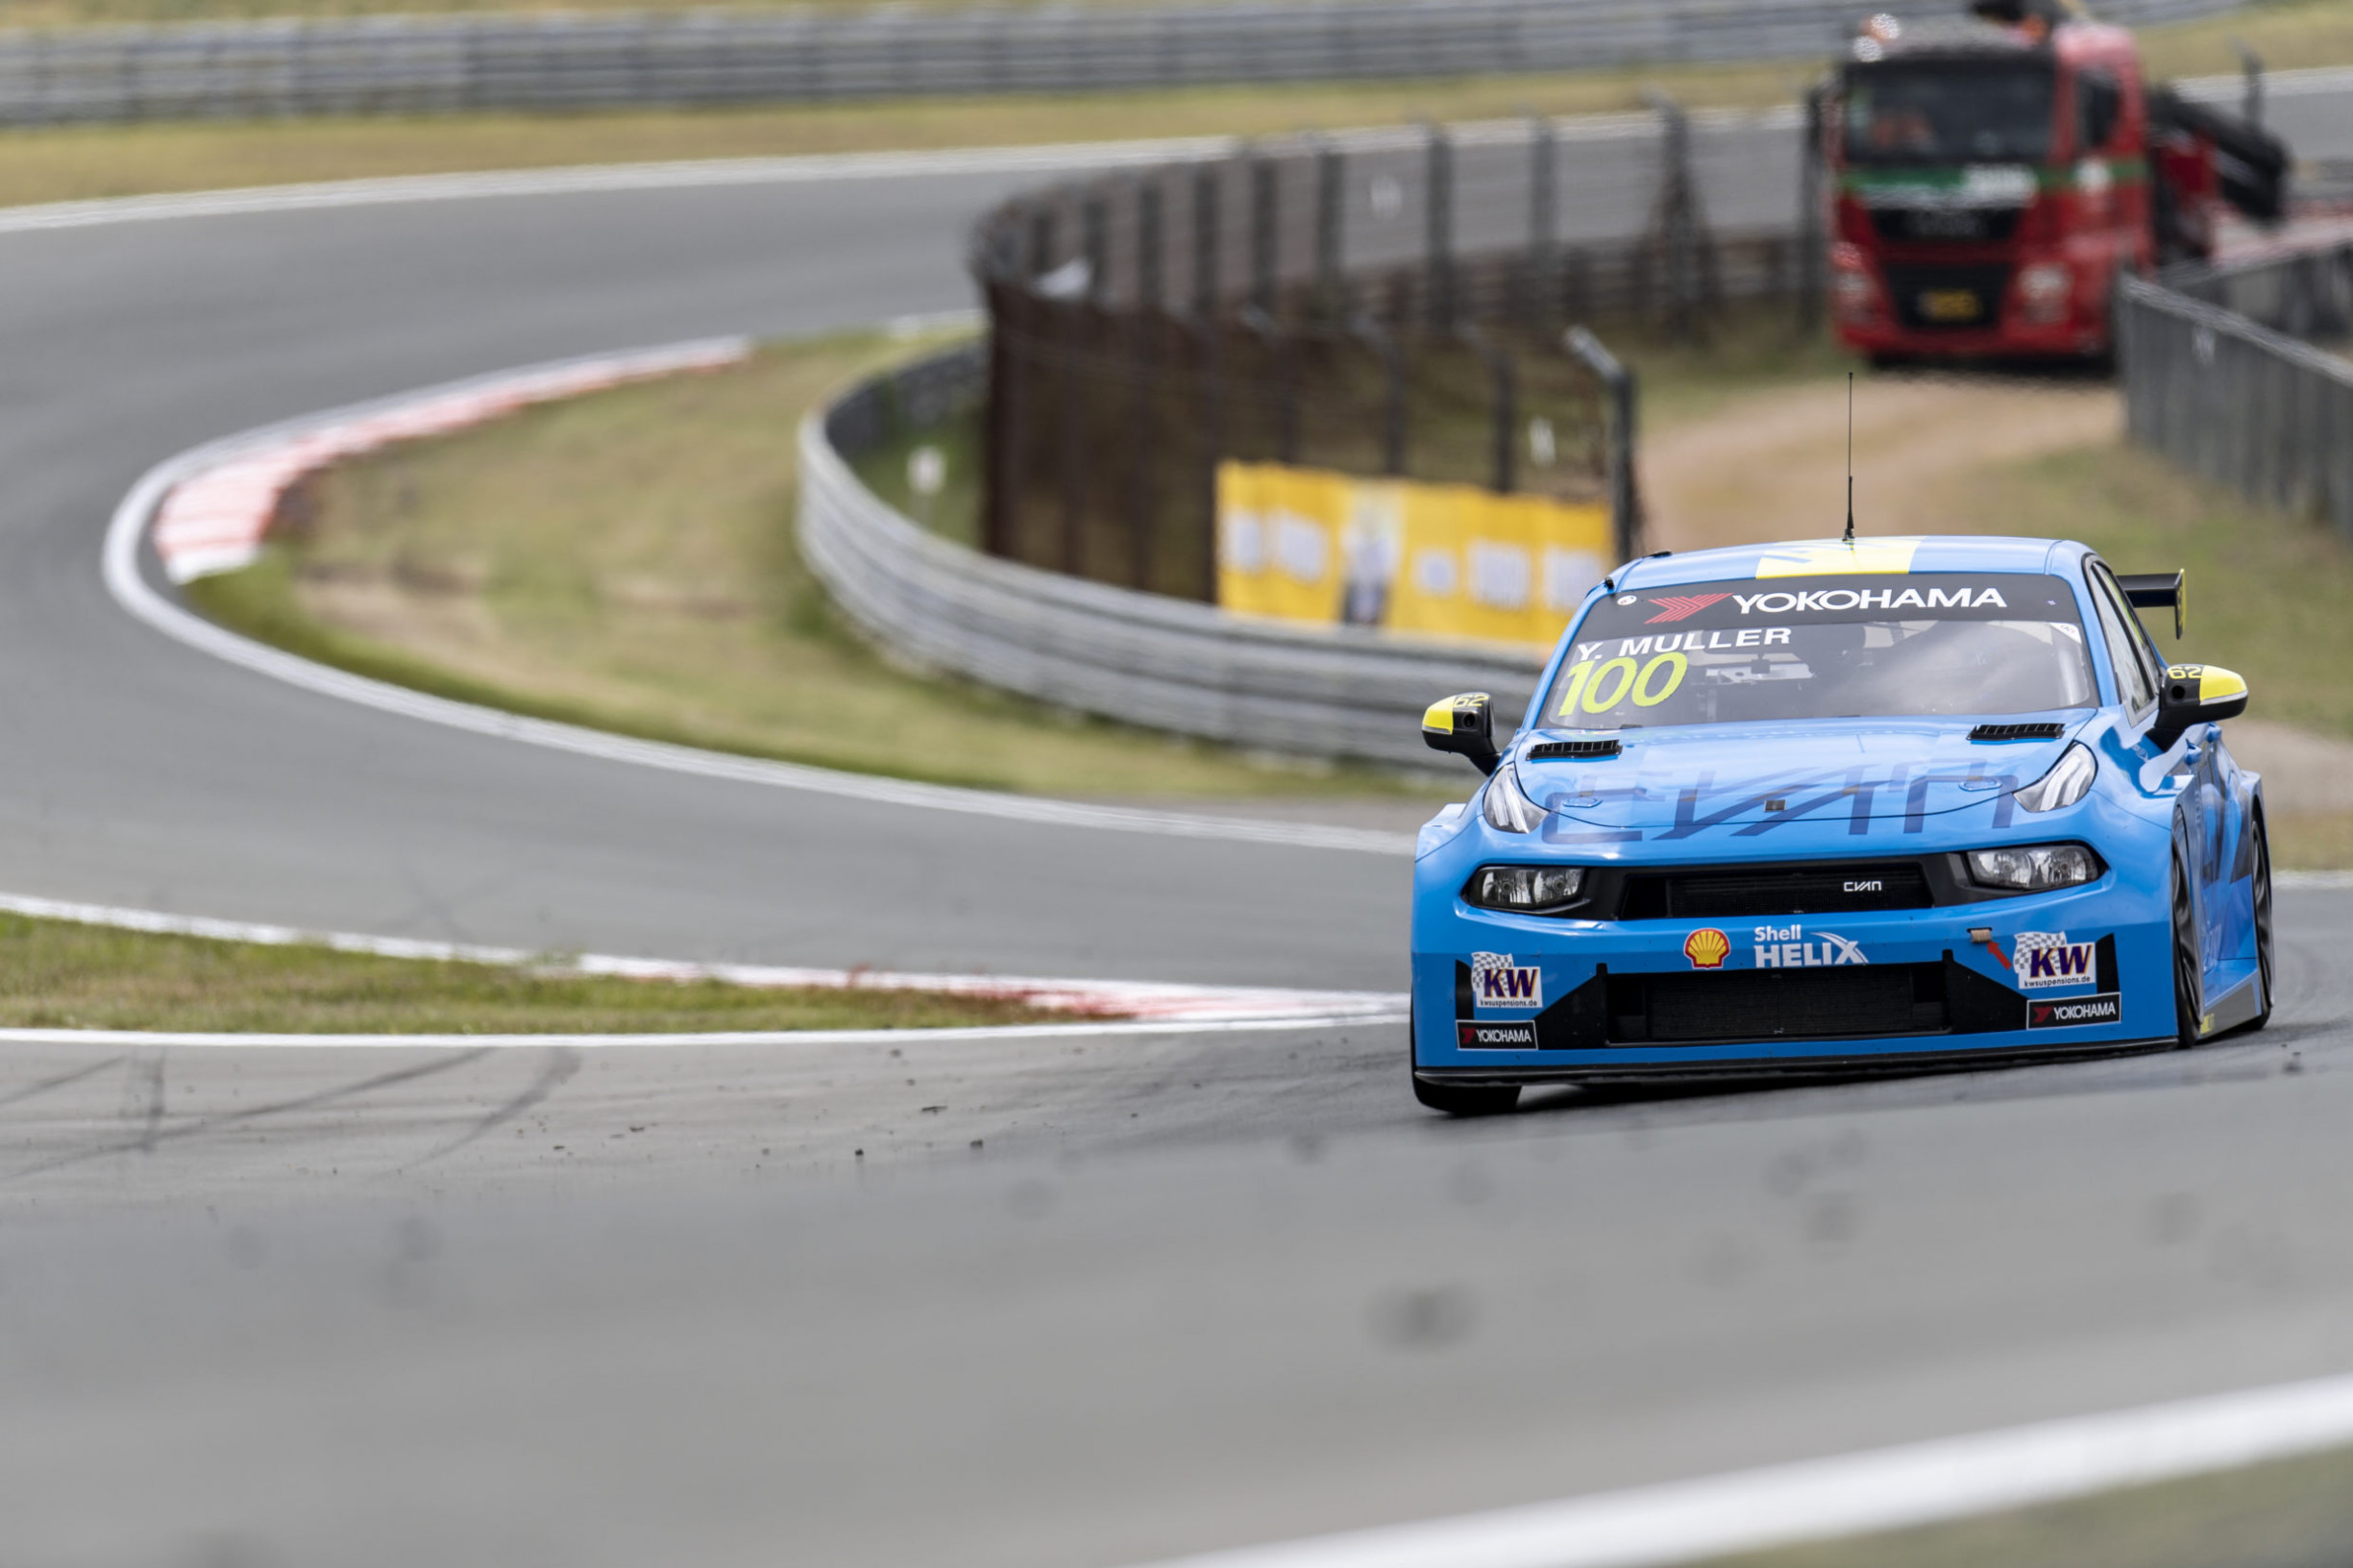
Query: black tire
2185	962
1466	1099
2265	975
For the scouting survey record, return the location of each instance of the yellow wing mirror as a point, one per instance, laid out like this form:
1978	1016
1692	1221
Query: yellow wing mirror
2196	693
1464	725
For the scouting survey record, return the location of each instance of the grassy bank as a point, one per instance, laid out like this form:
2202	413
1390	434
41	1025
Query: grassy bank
627	561
56	974
77	162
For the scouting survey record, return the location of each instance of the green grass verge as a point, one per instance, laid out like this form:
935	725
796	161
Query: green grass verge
68	162
627	561
2293	1514
57	974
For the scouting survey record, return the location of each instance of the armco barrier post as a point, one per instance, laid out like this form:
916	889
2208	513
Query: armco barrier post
1143	494
1439	266
1206	195
1543	225
1265	233
1625	402
1330	214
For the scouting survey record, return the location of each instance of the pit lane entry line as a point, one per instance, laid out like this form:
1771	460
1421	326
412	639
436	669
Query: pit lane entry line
1854	1494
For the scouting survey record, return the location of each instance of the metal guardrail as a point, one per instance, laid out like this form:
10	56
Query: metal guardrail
442	64
2240	402
1142	658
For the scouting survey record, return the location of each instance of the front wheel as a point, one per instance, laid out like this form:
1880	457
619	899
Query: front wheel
2185	963
2264	975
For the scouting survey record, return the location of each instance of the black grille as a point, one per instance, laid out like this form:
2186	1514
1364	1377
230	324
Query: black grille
1592	751
1795	889
2018	732
1932	299
1946	226
1768	1004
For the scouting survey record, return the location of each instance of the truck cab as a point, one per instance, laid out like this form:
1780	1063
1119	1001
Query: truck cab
1989	183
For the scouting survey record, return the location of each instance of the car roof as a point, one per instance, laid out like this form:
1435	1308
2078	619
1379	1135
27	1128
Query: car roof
1867	554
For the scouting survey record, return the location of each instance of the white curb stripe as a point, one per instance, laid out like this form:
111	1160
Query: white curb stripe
1143	999
131	590
160	1039
214	520
1882	1490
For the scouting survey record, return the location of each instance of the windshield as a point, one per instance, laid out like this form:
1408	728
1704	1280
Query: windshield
1948	113
1823	648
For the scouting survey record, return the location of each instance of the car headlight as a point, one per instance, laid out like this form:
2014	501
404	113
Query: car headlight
1506	805
2065	782
2034	868
1528	890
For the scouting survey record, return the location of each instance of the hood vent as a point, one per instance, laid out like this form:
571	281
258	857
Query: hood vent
1582	750
2018	732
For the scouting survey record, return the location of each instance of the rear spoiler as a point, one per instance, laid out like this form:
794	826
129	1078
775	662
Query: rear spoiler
2155	591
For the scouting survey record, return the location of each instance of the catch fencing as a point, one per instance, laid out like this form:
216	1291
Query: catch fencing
2219	376
1140	658
1393	302
445	65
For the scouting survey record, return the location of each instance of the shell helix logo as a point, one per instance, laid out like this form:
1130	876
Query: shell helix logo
1706	947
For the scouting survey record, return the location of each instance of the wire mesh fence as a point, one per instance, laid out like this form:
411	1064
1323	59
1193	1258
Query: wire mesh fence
2218	376
1393	302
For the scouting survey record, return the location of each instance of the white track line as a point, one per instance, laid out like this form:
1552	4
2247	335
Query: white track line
2312	879
818	168
130	588
1881	1489
1129	999
157	1038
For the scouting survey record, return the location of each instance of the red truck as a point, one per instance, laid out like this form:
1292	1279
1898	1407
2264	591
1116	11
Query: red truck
1992	175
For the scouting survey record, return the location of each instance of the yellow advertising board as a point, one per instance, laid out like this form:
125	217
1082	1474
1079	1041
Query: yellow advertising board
1444	561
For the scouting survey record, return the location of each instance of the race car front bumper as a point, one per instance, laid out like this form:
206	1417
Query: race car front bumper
1527	999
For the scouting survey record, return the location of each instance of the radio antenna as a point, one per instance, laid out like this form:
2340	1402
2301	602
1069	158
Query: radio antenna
1850	457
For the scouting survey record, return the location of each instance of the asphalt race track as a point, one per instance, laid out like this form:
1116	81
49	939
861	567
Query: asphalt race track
1067	1299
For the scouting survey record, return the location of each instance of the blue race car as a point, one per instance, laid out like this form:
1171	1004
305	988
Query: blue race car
1838	808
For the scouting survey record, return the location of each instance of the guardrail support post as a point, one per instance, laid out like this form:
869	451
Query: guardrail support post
1625	398
1265	233
1812	240
1143	496
1439	168
1206	194
1331	233
1543	222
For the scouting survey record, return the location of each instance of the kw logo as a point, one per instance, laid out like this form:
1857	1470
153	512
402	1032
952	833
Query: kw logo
2046	959
1496	981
